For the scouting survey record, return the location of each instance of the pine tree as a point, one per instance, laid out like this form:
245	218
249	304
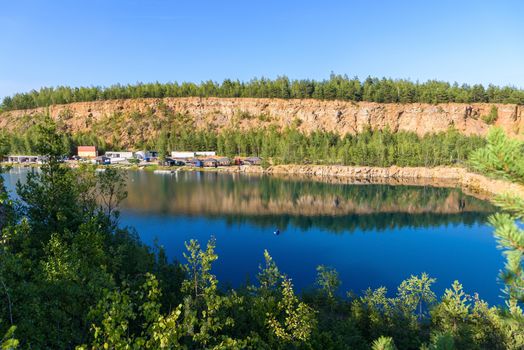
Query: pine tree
383	343
504	158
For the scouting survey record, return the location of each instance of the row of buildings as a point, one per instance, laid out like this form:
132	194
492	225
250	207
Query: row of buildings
193	158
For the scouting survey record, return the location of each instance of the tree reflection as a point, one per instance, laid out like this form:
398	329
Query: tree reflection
270	201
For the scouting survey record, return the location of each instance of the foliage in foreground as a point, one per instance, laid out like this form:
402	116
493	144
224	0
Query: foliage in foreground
71	276
269	315
504	158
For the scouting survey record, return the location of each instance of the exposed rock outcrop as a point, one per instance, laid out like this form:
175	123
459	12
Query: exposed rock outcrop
337	116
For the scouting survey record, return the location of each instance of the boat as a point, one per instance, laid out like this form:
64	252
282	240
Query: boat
160	171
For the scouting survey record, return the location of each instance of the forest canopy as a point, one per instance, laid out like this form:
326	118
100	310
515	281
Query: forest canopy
337	87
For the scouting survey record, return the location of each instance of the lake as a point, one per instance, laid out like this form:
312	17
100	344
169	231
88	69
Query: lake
373	235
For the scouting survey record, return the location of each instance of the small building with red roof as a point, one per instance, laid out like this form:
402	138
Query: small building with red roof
88	152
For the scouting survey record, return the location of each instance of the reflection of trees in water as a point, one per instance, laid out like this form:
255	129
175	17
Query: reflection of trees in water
266	200
351	223
376	195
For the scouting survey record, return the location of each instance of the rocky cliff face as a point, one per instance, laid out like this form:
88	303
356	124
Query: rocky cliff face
338	116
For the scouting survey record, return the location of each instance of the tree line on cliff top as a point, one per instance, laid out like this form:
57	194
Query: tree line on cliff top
337	87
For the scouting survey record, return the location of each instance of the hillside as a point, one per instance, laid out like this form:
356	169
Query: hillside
142	119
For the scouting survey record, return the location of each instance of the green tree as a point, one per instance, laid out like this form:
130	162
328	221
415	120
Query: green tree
121	312
206	318
292	321
328	280
339	87
383	343
416	294
442	341
493	115
60	251
269	275
112	191
50	197
162	145
504	157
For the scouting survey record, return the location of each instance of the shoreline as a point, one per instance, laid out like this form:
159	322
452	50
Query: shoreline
470	183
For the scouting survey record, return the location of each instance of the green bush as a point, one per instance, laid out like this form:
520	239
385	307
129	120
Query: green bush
492	117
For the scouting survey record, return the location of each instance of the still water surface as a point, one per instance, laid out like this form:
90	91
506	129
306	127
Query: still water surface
374	235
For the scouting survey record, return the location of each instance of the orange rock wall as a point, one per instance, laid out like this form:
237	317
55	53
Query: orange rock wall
338	116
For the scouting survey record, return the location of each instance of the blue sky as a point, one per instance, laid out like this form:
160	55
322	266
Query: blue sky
101	42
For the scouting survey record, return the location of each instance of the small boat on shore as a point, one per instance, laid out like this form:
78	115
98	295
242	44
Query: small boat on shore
164	172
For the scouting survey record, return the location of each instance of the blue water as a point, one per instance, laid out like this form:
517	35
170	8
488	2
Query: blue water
373	235
362	258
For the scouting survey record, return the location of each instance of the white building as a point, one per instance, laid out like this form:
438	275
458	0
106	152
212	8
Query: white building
176	154
205	154
115	154
191	154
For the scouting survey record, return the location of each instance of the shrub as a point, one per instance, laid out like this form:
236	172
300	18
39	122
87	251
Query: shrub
492	117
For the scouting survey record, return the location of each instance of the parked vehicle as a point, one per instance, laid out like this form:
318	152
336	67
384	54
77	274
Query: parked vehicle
172	162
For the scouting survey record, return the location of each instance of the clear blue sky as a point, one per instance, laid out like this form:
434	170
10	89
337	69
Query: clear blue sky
101	42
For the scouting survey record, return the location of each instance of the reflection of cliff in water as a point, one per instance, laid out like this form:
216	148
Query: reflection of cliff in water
271	201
